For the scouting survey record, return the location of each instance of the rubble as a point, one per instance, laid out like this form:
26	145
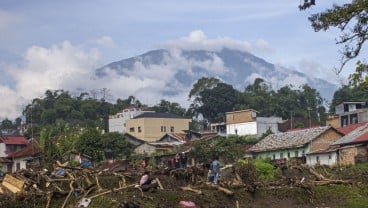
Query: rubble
70	186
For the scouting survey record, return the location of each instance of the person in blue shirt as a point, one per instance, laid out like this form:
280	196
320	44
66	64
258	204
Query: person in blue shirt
215	167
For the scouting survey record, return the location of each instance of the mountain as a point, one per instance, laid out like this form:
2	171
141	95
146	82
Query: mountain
179	69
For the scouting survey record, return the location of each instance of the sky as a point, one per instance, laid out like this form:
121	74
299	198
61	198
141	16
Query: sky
50	45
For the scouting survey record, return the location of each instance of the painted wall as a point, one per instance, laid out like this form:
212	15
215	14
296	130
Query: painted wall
22	161
329	158
248	128
279	154
152	129
117	122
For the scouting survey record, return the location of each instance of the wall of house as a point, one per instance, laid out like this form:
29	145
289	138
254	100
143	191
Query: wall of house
362	154
117	122
329	158
347	155
287	153
2	150
145	149
152	129
240	117
333	121
265	123
22	161
248	128
323	141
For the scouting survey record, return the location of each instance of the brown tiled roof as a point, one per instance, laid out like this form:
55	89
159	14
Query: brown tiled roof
288	140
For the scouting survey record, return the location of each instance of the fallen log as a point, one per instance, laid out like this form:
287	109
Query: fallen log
113	190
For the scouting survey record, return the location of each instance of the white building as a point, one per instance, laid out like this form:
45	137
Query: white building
246	122
117	121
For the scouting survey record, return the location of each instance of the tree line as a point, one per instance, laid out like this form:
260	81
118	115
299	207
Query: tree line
209	97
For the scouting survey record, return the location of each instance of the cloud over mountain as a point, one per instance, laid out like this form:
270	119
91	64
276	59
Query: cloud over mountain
167	73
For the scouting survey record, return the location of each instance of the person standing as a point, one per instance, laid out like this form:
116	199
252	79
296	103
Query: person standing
177	161
183	160
215	168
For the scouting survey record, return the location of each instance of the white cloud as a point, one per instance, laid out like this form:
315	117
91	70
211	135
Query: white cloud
197	40
106	41
62	66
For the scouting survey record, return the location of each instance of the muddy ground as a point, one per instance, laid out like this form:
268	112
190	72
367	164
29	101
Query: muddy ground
278	194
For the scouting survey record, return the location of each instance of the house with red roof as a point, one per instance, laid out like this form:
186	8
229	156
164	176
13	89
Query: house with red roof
11	144
353	146
16	152
297	145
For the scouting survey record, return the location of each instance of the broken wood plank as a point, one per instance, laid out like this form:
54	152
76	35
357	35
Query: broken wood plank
159	183
13	184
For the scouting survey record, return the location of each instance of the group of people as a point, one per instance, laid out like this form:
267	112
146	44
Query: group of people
179	161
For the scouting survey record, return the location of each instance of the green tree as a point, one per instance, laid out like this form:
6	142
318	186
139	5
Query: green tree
115	145
217	101
6	124
259	96
90	143
168	107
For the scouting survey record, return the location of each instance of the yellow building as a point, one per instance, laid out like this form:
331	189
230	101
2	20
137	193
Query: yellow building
152	126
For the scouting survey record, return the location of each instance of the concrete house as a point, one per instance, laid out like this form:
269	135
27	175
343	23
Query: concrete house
246	122
117	121
351	113
296	144
151	126
23	158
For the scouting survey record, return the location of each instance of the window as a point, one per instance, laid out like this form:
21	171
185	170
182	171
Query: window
274	156
131	129
296	154
288	154
139	129
171	129
317	159
329	156
163	128
281	155
353	118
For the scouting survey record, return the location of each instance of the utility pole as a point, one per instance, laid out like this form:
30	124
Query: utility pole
310	121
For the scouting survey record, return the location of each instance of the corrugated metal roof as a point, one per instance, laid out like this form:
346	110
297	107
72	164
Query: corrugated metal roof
359	134
14	140
349	128
288	140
